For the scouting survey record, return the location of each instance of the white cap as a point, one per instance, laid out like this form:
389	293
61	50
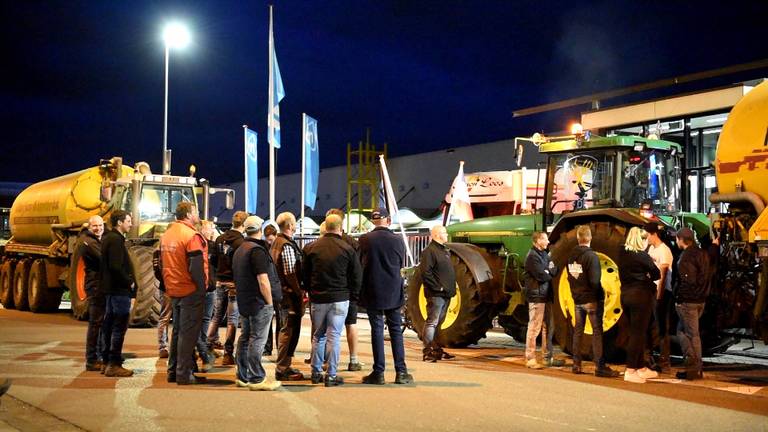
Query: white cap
252	224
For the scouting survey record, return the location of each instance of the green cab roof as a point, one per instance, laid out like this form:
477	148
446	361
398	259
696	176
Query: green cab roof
598	142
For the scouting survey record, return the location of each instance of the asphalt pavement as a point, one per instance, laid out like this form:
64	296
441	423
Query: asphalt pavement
486	387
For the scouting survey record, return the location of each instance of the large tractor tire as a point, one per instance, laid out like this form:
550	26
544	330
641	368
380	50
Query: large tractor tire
146	309
607	241
467	319
6	284
21	284
41	297
76	284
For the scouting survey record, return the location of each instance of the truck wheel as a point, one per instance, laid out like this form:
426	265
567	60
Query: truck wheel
467	318
146	309
607	241
6	284
41	297
20	284
76	284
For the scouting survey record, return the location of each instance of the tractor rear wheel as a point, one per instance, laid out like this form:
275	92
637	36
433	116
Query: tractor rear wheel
607	241
146	309
467	319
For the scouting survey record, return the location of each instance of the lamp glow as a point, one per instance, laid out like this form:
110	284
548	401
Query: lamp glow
176	35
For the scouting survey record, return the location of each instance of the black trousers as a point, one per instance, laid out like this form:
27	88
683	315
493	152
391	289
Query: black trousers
187	322
94	342
638	306
292	309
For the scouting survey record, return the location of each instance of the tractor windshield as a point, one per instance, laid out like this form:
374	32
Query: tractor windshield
612	178
158	201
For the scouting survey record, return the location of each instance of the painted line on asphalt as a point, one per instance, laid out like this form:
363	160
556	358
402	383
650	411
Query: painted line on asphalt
128	410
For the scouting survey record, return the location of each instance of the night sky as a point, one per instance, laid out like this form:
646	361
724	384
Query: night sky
83	80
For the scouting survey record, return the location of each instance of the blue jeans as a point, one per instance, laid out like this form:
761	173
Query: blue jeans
94	341
595	313
250	345
437	307
114	328
688	334
328	322
395	326
222	297
202	341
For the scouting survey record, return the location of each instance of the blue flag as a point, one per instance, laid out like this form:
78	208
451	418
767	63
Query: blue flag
276	92
251	172
311	161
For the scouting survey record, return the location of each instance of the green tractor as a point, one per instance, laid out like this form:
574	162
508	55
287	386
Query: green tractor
598	181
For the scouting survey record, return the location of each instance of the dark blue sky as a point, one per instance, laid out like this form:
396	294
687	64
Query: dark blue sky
83	80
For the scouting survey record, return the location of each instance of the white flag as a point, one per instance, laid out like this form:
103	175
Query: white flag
460	204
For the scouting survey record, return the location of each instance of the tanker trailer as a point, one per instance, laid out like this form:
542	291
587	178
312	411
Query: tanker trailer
741	170
40	260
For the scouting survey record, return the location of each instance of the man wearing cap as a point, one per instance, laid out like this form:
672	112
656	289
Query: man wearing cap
662	256
690	292
382	253
184	254
258	286
332	275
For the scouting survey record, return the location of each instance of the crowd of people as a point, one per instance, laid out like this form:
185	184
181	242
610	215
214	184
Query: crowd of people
647	297
256	273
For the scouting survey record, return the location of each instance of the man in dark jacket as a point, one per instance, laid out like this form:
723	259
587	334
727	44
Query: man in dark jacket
287	257
691	291
382	253
332	274
539	271
439	281
584	278
226	300
257	287
118	285
89	250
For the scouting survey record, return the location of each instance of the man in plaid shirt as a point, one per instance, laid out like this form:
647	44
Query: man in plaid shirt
287	257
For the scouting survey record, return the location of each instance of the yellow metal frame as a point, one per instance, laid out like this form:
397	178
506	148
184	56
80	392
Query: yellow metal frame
362	179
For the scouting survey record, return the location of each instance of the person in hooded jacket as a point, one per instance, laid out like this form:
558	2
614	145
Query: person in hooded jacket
539	271
638	290
584	279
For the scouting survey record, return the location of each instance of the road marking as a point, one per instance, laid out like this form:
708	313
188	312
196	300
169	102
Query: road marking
747	390
128	410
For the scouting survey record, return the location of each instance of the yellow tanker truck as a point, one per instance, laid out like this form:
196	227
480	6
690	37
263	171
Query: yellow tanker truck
40	262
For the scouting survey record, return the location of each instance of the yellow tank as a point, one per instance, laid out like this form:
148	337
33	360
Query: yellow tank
67	200
741	161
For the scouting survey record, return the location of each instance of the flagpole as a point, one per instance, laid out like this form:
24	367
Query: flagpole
391	197
245	163
303	168
270	127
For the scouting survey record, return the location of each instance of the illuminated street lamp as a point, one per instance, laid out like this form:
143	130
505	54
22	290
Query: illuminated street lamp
175	35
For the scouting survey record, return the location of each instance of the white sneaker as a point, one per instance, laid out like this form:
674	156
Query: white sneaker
241	383
633	377
265	385
646	373
533	364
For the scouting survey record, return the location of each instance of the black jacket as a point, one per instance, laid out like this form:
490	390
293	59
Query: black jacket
638	271
251	259
437	272
382	253
89	249
331	270
692	276
116	270
226	245
583	269
538	276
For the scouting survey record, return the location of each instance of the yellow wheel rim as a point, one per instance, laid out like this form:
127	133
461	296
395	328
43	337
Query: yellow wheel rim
453	307
609	279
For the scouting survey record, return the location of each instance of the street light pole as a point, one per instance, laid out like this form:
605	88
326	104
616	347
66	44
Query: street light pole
166	162
175	35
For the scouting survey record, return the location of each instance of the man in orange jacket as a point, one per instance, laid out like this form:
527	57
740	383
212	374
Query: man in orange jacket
184	254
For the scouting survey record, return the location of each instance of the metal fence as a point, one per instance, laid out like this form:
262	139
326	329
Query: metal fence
416	241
